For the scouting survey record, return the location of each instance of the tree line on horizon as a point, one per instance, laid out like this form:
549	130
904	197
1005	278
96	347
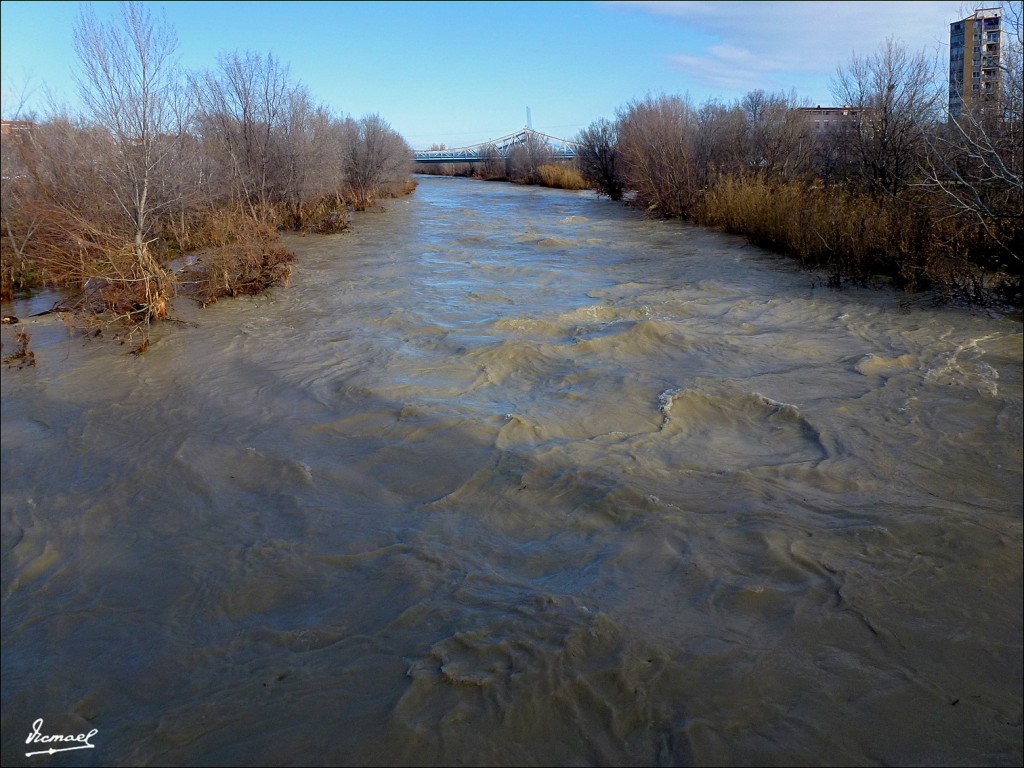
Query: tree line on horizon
160	162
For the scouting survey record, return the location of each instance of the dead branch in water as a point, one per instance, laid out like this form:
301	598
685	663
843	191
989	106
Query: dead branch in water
22	357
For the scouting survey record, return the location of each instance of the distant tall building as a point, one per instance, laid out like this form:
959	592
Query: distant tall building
975	59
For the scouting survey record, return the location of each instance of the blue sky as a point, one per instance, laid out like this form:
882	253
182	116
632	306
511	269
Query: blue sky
463	72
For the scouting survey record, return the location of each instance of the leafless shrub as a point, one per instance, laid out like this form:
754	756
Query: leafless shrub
465	170
129	84
20	223
597	158
657	144
376	156
524	160
492	166
245	260
892	97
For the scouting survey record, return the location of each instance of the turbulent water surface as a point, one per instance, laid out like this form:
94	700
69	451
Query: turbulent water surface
516	476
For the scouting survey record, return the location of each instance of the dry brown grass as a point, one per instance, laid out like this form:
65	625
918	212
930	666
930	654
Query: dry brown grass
561	176
851	234
395	189
245	258
16	275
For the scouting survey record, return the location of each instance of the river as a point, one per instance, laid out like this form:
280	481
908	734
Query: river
517	476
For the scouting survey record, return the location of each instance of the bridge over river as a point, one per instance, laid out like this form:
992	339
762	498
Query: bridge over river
561	149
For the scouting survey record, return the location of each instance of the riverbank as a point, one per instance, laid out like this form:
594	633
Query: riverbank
235	255
852	237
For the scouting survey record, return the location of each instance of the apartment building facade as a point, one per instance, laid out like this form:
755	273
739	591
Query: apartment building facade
975	59
821	119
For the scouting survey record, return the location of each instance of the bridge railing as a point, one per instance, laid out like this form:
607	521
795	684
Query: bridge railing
561	149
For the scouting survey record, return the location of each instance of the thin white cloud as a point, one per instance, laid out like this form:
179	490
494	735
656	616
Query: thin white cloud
732	68
773	44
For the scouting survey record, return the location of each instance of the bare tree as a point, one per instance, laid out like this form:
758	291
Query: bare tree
891	95
19	222
832	158
657	146
129	85
720	148
15	99
80	240
778	142
492	165
524	159
298	177
597	158
19	217
376	155
243	109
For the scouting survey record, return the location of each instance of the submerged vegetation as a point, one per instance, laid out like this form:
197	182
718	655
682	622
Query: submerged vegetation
160	163
22	357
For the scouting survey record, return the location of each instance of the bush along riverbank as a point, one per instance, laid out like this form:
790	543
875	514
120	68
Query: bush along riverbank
106	205
887	186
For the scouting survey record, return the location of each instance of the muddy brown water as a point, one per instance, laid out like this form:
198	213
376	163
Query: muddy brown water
513	476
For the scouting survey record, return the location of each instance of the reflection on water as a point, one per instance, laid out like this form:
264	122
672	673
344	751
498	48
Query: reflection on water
515	476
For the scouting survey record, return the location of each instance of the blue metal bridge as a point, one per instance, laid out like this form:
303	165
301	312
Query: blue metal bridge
560	149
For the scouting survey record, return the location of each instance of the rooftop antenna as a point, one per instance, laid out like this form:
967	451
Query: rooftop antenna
529	120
